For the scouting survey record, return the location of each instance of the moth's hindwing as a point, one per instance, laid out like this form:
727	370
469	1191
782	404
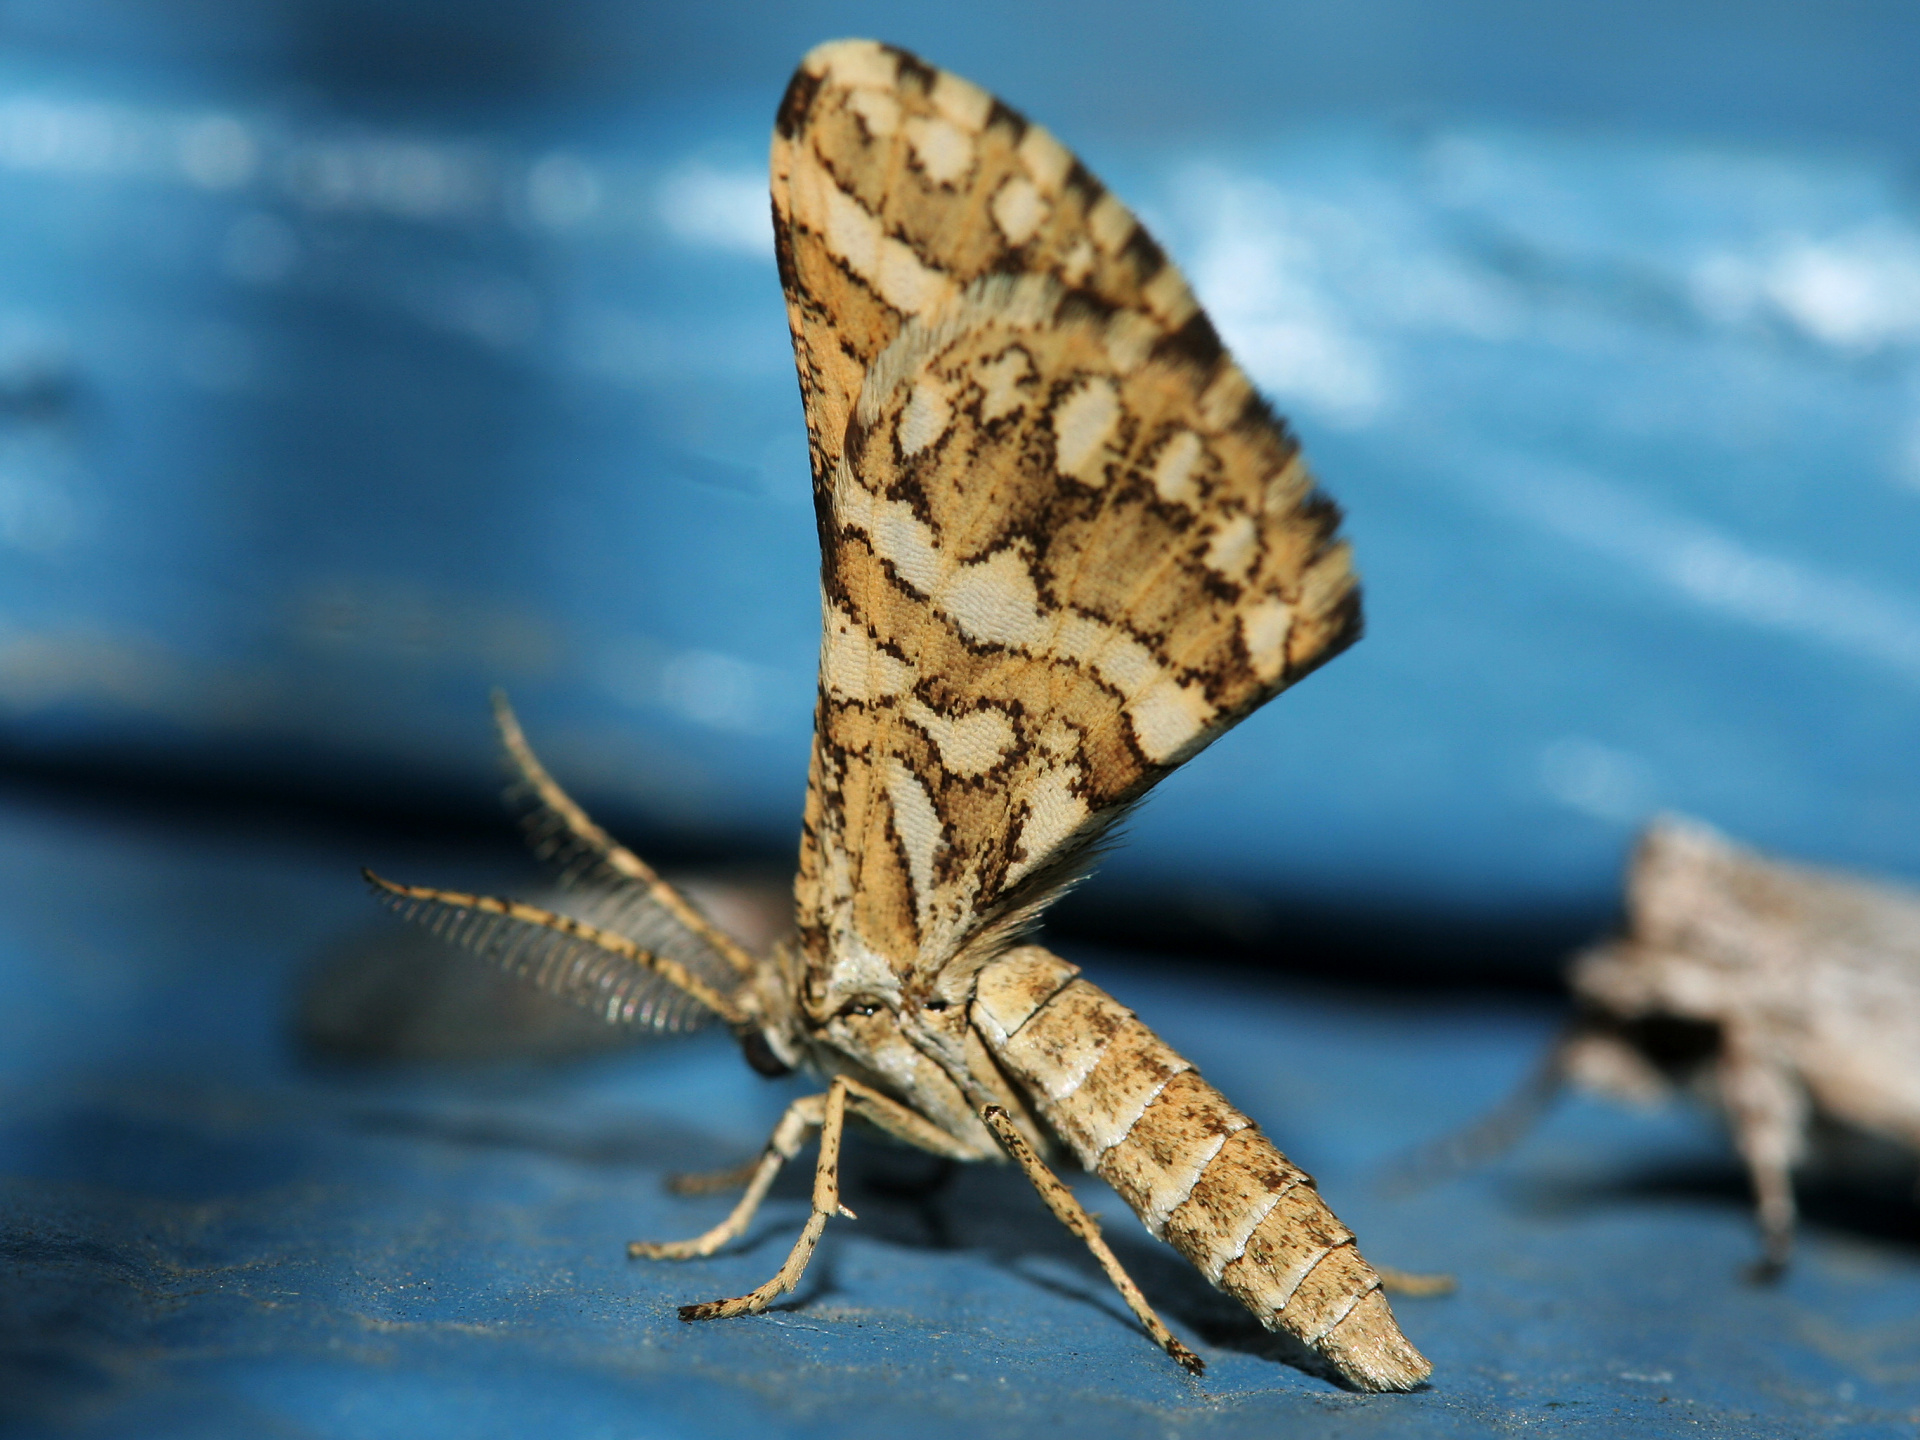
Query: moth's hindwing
1065	544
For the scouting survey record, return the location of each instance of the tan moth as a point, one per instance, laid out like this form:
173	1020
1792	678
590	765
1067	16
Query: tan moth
1065	545
1779	993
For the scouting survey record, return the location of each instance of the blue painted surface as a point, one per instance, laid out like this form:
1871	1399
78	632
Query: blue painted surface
355	359
205	1236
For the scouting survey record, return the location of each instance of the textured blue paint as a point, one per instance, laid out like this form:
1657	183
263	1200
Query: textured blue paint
204	1236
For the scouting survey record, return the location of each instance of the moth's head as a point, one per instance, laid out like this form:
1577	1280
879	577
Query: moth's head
1640	1059
1645	1025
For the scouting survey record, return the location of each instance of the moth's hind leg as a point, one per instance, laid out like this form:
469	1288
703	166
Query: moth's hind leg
1068	1211
715	1182
803	1116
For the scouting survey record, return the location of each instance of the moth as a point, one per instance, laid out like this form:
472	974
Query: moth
1785	996
1064	546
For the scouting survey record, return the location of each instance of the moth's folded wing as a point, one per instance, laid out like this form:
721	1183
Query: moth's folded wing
1065	544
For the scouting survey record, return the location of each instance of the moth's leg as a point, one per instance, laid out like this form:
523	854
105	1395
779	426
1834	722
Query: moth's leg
888	1115
802	1117
826	1203
1068	1211
714	1182
880	1111
1415	1283
1768	1111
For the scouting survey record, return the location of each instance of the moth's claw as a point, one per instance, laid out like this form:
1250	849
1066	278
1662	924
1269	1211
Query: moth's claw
1188	1361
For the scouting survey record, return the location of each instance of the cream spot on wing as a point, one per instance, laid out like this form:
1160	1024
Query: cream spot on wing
961	101
1110	223
1061	739
856	64
921	833
1115	656
878	110
1082	424
944	151
1232	547
904	540
897	535
994	601
1078	262
1168	718
853	233
855	666
906	284
1173	470
1286	489
926	417
969	744
1002	380
1129	337
1052	813
1018	209
1264	627
1168	297
1225	398
1046	159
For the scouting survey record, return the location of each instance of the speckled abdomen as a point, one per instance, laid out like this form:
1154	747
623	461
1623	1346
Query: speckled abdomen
1197	1172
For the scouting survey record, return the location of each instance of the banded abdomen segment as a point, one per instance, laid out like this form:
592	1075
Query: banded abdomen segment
1196	1171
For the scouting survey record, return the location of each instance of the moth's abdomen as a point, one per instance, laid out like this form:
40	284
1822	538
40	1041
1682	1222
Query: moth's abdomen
1196	1171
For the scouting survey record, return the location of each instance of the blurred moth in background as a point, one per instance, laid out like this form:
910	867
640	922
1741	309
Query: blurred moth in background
1065	545
1786	997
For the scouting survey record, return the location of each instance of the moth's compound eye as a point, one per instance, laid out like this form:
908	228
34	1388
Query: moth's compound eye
862	1008
936	1005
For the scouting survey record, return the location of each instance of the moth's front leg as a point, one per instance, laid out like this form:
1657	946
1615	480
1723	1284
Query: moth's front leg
803	1116
1768	1110
826	1203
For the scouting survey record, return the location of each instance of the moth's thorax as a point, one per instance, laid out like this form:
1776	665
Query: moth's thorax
871	1041
1630	981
